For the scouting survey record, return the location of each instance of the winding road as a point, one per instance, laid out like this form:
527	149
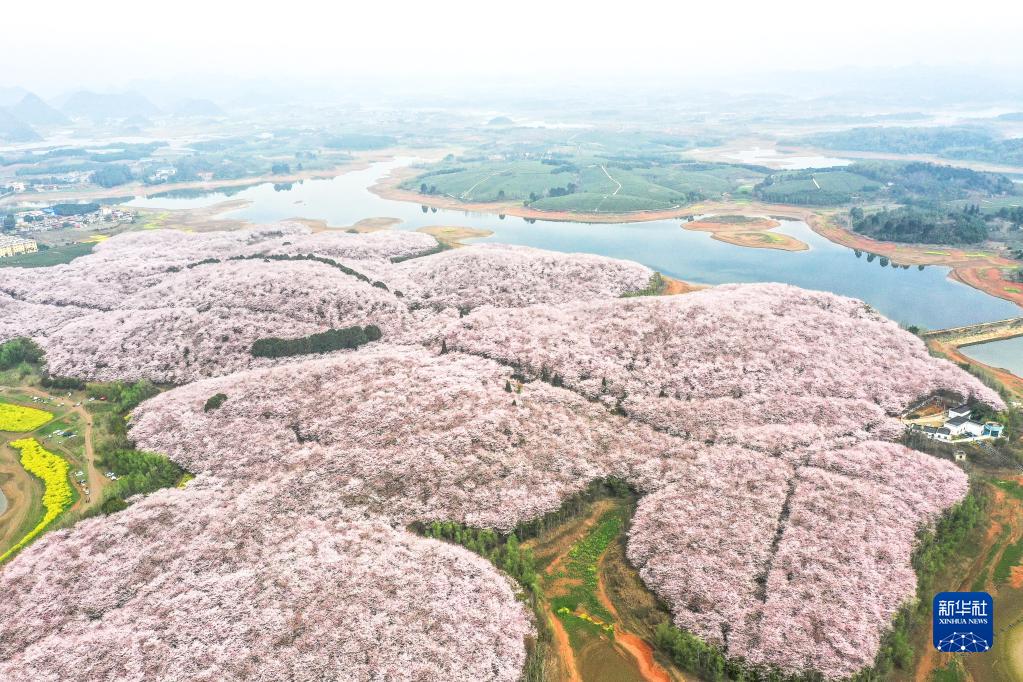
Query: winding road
617	190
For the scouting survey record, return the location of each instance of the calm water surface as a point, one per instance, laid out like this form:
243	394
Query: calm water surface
1007	354
911	296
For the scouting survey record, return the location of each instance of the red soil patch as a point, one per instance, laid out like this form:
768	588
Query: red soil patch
649	668
1016	578
677	286
564	648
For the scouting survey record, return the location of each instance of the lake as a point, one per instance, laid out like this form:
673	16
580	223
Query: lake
1007	354
924	297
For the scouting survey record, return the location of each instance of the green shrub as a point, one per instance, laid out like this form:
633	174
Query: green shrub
323	342
214	402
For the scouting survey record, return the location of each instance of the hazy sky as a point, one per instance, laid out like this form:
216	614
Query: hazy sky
106	44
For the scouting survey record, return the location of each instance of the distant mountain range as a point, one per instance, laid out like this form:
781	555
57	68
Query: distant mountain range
22	112
13	129
9	96
198	108
34	111
100	107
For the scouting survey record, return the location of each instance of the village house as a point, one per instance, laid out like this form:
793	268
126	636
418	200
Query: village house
959	411
959	426
964	426
13	246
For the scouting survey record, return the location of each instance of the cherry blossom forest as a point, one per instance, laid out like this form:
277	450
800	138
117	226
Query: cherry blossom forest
777	521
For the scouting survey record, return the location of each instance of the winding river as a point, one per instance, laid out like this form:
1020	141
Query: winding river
925	297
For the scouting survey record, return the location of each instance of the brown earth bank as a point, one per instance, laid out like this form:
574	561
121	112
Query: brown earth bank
363	226
21	490
1012	383
454	237
636	647
205	219
676	286
752	232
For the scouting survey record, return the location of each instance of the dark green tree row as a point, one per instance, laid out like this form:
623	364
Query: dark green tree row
323	342
966	226
302	256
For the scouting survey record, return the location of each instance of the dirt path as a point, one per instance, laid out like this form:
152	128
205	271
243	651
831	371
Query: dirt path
619	189
563	647
467	193
635	646
604	198
18	488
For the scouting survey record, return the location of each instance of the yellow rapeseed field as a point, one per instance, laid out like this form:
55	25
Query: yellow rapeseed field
18	418
57	495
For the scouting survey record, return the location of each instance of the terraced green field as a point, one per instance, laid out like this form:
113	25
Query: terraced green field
816	187
583	184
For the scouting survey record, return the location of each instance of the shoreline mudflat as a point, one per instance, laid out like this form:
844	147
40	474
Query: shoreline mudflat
753	233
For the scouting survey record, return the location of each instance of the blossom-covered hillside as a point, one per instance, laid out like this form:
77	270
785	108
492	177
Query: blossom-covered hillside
408	435
769	365
514	276
202	321
777	519
218	583
130	263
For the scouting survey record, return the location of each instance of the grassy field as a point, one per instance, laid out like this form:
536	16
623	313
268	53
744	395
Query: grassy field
584	184
56	255
816	187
